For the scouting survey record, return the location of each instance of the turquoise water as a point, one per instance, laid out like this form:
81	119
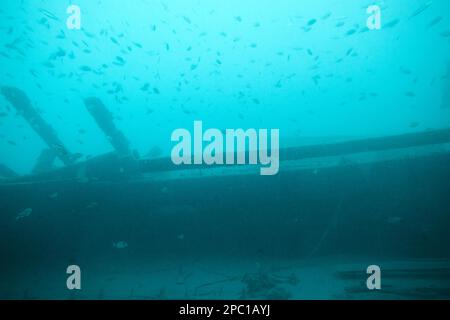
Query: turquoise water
311	69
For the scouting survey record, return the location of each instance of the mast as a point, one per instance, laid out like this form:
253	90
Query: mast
19	100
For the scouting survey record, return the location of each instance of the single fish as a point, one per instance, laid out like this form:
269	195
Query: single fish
434	22
326	16
24	214
92	205
187	20
405	70
350	32
421	9
391	24
48	14
311	22
120	245
394	220
85	68
53	195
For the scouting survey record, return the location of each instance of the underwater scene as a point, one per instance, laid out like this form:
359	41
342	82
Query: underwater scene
224	149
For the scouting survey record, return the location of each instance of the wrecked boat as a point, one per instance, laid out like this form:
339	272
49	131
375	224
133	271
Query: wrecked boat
157	210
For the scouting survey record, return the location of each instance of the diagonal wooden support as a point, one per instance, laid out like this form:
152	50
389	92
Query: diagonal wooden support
19	100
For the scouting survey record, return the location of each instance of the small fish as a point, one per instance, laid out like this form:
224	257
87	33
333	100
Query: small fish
311	22
434	22
48	64
88	34
58	54
49	15
53	195
278	84
61	35
405	70
164	190
24	214
187	20
391	24
92	205
85	68
394	220
363	29
326	16
5	55
120	245
421	9
350	32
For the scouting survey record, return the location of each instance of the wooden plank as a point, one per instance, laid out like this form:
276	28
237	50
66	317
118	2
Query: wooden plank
19	100
104	119
326	150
